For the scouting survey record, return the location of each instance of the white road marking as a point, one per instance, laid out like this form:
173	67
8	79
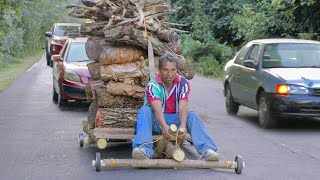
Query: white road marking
32	67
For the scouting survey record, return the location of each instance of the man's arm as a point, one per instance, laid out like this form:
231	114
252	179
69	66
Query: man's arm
183	116
157	109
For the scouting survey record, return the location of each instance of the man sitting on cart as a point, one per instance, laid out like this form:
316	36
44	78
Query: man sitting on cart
166	102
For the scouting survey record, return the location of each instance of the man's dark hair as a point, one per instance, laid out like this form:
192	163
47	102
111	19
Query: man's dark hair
167	57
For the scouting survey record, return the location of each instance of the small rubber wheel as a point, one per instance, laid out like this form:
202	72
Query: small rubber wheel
240	164
81	139
98	162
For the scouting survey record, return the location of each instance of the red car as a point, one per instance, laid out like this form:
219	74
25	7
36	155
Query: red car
70	72
57	37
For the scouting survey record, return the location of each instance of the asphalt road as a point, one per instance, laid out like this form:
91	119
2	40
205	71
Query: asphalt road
39	139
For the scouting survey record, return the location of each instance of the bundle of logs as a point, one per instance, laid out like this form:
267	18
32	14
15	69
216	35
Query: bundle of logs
127	37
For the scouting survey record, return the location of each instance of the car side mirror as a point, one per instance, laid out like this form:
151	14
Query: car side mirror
48	34
56	58
250	63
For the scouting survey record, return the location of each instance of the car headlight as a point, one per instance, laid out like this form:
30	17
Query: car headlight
291	89
71	75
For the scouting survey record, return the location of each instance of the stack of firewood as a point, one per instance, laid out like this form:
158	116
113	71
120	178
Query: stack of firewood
127	39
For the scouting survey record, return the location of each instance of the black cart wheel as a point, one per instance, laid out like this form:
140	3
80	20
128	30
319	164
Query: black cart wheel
98	162
240	164
81	139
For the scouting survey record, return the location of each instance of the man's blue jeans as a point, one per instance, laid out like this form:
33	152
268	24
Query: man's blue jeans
147	124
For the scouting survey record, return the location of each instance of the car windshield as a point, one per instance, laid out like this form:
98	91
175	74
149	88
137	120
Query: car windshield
291	55
77	52
66	30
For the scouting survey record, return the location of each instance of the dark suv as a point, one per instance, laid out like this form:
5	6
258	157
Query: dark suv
57	37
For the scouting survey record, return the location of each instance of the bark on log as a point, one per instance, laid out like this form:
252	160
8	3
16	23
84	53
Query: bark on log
120	54
93	29
160	146
92	89
107	100
120	72
94	70
122	89
92	112
118	117
89	92
94	47
89	131
130	35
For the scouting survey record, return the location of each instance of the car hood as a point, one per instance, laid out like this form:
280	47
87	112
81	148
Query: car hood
80	68
309	77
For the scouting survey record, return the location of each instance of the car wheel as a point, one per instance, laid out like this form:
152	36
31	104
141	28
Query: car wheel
62	101
51	63
232	106
55	96
266	119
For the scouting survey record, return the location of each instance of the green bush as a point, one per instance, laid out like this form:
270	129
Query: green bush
208	58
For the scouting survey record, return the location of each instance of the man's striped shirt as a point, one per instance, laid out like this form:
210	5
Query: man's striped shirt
156	90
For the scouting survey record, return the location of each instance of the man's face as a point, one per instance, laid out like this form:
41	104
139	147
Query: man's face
168	72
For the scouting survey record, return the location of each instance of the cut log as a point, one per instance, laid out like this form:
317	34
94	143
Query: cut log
93	29
92	89
89	131
122	89
120	72
89	92
120	54
118	117
102	143
174	152
130	35
107	100
94	70
92	112
94	47
160	146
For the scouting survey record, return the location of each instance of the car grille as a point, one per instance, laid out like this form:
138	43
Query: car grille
316	91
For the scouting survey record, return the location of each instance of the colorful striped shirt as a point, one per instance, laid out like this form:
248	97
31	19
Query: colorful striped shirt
156	90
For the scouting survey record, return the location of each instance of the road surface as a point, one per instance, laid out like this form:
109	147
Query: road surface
39	139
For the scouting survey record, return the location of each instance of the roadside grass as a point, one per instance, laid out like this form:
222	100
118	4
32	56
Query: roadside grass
15	69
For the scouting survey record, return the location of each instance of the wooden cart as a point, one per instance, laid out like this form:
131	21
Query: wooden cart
101	136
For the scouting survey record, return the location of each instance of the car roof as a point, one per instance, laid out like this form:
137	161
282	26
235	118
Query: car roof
284	40
67	24
79	39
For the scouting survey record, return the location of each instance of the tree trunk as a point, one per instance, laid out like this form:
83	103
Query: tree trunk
130	35
94	70
118	117
120	72
122	89
107	100
92	112
94	47
120	54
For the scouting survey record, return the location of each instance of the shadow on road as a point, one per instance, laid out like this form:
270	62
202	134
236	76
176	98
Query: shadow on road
75	106
297	124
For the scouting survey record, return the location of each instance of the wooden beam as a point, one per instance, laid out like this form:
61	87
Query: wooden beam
165	163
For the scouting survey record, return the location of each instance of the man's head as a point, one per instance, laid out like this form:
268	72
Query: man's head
168	68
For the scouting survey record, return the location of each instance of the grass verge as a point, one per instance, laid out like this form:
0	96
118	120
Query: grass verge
16	69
